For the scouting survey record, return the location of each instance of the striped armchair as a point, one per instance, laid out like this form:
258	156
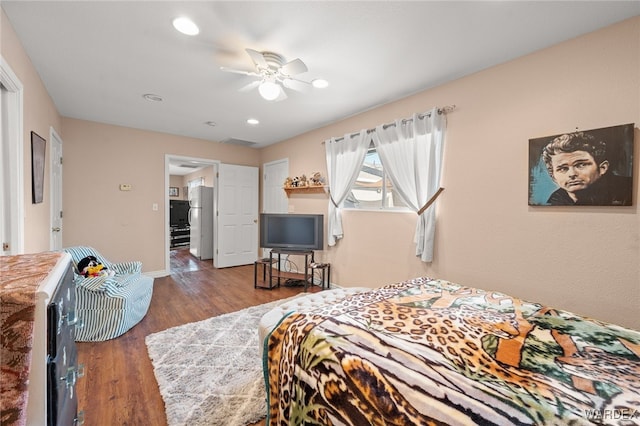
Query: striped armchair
108	306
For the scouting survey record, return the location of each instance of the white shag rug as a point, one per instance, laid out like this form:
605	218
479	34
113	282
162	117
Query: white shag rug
209	372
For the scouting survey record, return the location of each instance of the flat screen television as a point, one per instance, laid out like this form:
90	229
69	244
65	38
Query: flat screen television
178	212
292	231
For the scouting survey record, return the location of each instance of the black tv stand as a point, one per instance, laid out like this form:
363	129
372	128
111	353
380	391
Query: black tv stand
279	252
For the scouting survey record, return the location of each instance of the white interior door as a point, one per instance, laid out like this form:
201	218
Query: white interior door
11	164
236	237
5	214
274	199
56	191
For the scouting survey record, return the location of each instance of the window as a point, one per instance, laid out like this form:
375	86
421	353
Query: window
373	188
196	182
192	184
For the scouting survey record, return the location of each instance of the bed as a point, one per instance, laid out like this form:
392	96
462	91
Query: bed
432	352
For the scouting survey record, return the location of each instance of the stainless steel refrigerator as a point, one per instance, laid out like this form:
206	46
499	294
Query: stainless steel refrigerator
201	222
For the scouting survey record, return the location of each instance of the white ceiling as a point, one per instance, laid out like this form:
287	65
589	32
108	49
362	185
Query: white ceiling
182	168
97	59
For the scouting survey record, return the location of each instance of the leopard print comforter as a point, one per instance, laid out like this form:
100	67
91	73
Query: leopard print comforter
431	352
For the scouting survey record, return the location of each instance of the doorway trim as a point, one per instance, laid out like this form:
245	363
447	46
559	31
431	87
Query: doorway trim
56	190
167	233
15	124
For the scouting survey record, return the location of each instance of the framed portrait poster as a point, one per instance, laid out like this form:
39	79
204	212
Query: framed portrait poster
589	168
174	191
38	146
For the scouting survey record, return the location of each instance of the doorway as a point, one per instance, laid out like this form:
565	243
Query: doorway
274	199
180	171
11	160
55	242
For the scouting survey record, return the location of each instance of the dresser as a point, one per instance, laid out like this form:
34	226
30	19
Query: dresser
38	324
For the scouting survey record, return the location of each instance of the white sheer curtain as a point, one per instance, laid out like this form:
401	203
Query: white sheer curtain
344	161
411	153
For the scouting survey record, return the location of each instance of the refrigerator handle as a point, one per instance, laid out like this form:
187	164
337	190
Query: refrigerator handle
189	216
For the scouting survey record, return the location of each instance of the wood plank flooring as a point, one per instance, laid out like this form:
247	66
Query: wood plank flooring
119	387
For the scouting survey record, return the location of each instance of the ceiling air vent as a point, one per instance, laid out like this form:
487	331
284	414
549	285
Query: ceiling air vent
191	166
240	142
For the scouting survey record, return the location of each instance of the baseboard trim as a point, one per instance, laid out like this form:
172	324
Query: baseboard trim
157	274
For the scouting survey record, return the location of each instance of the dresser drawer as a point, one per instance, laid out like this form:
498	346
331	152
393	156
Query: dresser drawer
62	398
61	315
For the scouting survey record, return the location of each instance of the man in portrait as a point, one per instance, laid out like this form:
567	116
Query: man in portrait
581	166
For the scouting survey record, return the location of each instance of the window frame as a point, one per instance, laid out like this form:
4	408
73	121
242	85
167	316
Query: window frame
199	181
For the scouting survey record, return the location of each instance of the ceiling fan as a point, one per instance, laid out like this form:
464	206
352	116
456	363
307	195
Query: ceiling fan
274	74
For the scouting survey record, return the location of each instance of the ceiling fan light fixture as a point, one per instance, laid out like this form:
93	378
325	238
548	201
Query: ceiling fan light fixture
269	90
186	26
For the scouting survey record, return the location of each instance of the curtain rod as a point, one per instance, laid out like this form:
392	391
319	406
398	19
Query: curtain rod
442	110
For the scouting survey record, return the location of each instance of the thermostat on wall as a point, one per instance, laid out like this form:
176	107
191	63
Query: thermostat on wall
125	187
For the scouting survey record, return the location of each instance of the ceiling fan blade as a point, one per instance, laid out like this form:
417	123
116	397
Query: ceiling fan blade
257	58
231	70
298	85
250	86
294	67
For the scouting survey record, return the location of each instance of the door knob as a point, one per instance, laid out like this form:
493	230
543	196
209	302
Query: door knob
55	229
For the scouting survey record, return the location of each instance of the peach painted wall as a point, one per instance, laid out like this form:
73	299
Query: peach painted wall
40	114
122	224
586	260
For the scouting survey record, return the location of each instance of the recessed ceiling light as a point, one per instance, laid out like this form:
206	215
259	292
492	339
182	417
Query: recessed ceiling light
320	83
185	26
253	122
153	98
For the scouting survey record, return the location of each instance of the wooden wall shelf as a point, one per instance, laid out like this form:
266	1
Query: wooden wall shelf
305	190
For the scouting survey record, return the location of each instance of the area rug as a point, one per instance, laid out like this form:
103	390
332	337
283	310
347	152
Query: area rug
210	372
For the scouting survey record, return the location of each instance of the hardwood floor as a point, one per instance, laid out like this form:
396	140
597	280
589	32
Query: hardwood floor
119	387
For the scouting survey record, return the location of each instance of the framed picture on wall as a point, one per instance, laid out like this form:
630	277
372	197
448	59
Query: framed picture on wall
174	191
38	147
589	168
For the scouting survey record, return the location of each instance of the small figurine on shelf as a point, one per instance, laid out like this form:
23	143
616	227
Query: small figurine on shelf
316	179
303	181
288	182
